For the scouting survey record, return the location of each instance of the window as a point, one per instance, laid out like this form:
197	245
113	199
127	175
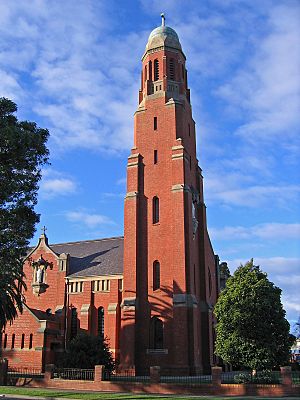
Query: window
195	286
172	69
155	156
156	70
189	130
155	123
155	210
182	70
156	275
209	282
145	72
190	162
75	287
101	322
5	341
150	70
73	330
120	285
13	338
30	341
102	285
22	341
156	333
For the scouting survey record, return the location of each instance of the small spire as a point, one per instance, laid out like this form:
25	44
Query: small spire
163	18
44	230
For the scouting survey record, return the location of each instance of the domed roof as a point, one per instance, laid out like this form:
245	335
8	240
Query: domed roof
163	36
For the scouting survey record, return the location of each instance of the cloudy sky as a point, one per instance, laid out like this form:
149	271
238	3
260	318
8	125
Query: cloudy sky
73	66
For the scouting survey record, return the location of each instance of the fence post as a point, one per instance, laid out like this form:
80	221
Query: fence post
216	377
49	368
286	375
3	371
99	372
155	374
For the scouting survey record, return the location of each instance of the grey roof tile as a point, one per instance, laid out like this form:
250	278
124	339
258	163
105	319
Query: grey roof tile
93	257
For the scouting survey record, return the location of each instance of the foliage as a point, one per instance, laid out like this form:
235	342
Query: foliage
252	330
22	154
86	351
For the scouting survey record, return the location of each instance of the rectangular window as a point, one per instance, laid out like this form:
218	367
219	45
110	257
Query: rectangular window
155	156
155	123
120	285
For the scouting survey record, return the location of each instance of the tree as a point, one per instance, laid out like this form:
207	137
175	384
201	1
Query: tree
86	351
297	328
22	154
251	327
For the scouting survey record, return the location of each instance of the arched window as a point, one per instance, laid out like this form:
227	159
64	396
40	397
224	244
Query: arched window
155	210
156	70
156	275
23	341
101	322
172	69
73	330
150	70
30	341
5	341
13	338
156	333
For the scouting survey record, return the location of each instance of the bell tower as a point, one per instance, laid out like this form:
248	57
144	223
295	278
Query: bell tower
170	275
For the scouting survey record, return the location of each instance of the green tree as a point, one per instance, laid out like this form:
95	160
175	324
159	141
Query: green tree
23	152
86	351
251	327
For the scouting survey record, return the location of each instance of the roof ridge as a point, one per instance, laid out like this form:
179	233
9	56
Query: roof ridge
87	241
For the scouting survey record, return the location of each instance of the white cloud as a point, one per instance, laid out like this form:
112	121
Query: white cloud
55	183
267	87
88	219
267	231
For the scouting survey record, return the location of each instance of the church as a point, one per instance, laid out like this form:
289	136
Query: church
151	292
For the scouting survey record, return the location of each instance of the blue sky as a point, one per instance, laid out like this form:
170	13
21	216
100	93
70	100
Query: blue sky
74	68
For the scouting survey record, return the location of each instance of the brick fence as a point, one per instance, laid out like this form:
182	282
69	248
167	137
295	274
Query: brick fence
154	386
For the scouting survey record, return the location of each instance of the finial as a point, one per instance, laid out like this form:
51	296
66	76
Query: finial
163	18
44	230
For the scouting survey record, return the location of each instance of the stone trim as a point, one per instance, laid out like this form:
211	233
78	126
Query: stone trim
177	156
179	147
185	300
180	187
129	303
133	164
133	156
131	195
85	308
112	308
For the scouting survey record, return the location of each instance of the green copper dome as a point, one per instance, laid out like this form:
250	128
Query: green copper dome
163	36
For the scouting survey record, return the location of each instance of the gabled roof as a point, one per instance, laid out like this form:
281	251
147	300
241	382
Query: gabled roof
93	257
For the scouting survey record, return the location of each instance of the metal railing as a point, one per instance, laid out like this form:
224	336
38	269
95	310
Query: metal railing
24	372
296	377
261	377
125	376
74	374
187	380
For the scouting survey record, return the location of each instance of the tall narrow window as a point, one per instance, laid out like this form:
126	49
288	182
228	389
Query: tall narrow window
5	341
73	331
13	338
150	70
156	333
155	156
30	341
172	69
190	162
155	123
22	341
156	70
182	70
189	130
156	275
101	322
155	209
145	73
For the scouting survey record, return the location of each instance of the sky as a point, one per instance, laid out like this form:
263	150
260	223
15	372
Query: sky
73	67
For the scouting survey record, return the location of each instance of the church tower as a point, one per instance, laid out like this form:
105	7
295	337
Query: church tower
170	272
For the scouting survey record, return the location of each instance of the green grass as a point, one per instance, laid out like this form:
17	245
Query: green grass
103	396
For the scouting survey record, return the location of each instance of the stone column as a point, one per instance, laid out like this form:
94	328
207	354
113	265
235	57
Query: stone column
286	375
155	374
99	373
3	372
216	373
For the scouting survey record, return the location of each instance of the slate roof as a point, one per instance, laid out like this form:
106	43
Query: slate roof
42	315
93	257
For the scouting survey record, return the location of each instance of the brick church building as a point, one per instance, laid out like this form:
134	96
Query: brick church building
151	292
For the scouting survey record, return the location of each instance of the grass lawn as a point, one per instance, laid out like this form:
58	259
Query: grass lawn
10	390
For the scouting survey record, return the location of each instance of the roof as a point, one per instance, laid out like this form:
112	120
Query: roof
93	257
42	315
163	36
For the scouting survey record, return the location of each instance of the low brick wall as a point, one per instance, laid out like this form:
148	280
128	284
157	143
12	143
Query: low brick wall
215	388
